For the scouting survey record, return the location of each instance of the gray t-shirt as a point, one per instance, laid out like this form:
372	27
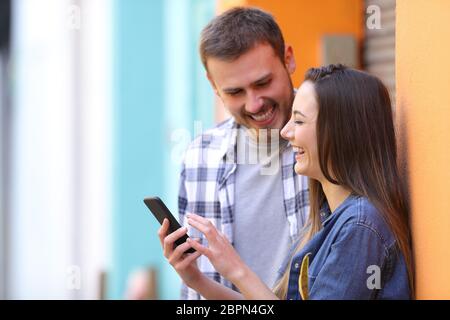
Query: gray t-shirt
261	229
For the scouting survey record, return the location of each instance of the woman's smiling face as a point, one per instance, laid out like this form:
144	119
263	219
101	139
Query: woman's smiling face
300	131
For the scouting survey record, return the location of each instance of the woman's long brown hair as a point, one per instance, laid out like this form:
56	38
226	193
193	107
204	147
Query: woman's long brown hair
357	149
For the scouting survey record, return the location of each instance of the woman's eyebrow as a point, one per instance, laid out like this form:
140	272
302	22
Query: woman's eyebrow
295	112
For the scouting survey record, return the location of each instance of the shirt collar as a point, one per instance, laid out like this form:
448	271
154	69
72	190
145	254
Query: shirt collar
325	212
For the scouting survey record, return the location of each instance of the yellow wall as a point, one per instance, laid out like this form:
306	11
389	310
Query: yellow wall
423	109
303	22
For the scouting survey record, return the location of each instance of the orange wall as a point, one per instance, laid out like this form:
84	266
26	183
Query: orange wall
303	22
223	5
423	109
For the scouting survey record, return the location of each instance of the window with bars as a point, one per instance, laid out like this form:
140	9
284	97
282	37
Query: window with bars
379	45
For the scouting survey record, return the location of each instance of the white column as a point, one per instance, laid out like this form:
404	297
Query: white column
60	156
95	139
42	161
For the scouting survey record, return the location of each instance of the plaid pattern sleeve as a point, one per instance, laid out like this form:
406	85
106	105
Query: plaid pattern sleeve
207	189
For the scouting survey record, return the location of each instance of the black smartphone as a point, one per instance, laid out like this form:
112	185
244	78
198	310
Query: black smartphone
160	211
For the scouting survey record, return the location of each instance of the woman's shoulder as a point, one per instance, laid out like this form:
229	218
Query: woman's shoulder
361	213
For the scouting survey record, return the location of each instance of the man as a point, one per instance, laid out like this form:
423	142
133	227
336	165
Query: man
261	205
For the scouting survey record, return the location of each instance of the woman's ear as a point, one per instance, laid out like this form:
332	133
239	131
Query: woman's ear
289	59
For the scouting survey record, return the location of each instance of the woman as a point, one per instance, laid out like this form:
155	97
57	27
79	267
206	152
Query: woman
357	242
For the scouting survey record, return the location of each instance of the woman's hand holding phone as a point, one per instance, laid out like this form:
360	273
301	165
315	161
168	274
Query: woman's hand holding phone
183	263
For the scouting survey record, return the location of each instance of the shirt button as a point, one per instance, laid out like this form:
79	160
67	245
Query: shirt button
296	266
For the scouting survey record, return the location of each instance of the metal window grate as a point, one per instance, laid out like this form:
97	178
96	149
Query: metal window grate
379	45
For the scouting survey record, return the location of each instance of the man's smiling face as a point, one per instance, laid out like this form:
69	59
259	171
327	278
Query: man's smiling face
256	88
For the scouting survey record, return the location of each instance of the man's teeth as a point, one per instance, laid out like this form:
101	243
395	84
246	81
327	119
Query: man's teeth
263	116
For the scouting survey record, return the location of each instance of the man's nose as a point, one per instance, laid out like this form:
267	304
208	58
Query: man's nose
254	104
287	132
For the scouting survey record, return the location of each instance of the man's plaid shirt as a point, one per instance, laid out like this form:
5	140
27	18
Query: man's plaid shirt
207	189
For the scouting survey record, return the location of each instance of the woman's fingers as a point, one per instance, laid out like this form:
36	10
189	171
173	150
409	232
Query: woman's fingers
178	252
170	239
178	261
186	261
207	229
199	247
162	232
198	218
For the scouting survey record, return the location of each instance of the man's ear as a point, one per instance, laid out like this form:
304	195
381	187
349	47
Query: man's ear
211	81
289	59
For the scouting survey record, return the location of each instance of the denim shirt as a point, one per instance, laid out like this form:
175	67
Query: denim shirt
354	256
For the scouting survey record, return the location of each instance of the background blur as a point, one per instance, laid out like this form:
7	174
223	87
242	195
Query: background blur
99	98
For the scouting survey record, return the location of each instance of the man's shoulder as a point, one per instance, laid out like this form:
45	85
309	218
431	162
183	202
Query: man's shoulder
217	133
213	137
209	147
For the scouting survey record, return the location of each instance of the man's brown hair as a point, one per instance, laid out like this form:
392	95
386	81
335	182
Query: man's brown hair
238	30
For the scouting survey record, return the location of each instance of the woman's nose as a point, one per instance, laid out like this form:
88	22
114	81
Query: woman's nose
287	132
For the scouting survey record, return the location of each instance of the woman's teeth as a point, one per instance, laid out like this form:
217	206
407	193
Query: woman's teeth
298	150
264	116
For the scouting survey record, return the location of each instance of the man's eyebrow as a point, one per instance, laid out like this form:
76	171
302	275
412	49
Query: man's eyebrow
262	79
295	112
229	90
